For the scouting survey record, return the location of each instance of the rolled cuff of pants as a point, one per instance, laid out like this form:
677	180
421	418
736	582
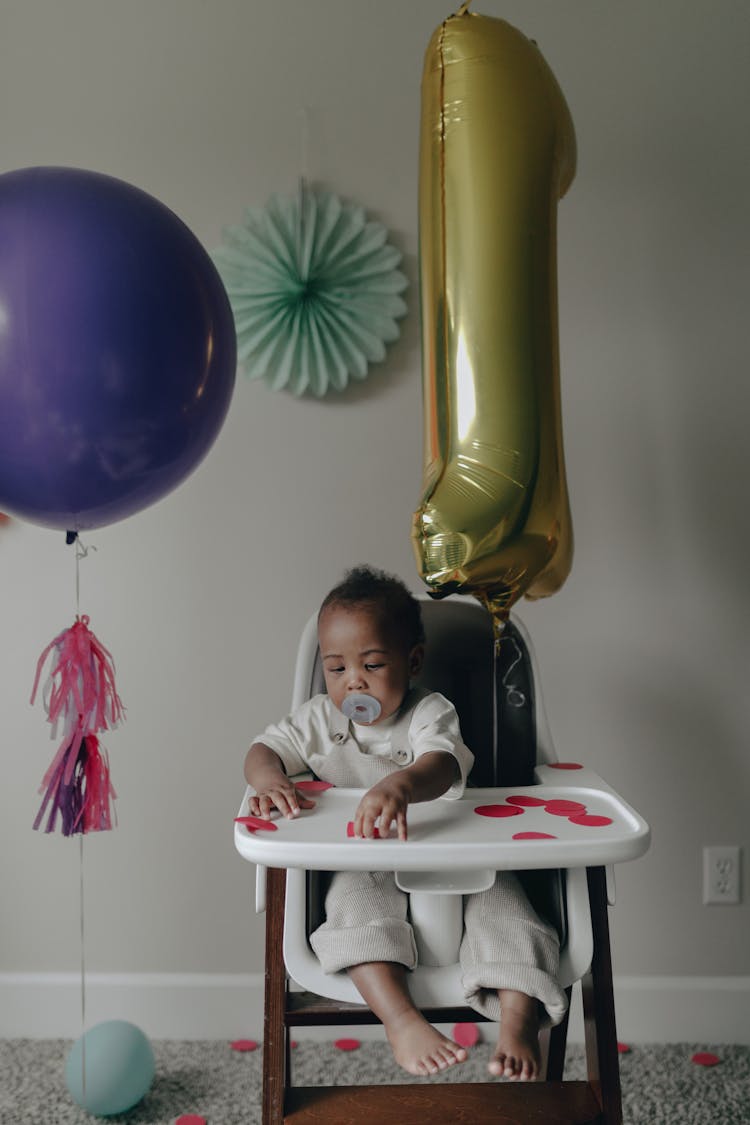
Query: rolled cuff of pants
482	982
386	940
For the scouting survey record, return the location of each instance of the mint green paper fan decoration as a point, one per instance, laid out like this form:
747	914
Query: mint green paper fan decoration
315	291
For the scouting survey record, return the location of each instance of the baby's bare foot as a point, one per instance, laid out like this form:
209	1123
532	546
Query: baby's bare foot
419	1048
517	1053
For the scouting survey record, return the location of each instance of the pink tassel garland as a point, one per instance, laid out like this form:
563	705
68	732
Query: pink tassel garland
81	695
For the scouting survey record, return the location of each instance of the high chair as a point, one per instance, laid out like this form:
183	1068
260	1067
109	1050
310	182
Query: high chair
563	863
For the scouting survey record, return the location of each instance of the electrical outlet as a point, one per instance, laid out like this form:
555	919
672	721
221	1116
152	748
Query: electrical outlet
721	875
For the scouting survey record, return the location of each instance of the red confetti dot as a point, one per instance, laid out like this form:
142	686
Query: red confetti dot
256	823
623	1048
565	765
294	1044
564	808
705	1058
190	1119
466	1034
244	1045
347	1044
350	831
533	836
526	802
589	820
498	810
313	786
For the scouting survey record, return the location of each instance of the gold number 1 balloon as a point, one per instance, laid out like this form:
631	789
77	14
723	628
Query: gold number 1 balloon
497	152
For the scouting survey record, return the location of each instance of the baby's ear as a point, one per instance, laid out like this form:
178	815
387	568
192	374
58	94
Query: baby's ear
416	660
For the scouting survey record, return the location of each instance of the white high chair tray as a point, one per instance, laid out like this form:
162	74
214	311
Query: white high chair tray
565	821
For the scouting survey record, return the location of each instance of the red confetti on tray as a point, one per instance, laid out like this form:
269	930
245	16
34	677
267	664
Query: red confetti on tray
256	824
350	832
498	810
574	811
589	820
564	808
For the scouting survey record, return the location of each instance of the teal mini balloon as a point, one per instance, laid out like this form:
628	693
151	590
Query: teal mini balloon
119	1068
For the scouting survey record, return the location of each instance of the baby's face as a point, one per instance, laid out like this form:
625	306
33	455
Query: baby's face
359	655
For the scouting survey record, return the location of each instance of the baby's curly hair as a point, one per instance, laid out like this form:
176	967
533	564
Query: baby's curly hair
384	593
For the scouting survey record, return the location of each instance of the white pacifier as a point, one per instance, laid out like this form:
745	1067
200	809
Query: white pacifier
361	708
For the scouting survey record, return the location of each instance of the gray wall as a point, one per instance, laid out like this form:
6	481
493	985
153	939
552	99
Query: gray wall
644	653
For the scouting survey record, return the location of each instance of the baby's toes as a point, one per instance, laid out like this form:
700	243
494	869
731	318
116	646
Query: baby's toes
528	1071
420	1068
512	1067
448	1058
496	1065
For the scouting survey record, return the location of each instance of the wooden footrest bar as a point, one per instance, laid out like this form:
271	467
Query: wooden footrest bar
474	1103
305	1008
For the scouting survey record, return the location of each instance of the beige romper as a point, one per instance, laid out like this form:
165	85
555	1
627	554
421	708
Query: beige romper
505	943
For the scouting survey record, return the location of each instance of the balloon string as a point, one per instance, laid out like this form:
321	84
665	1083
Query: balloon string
305	144
304	175
498	699
83	976
81	552
514	697
495	712
78	579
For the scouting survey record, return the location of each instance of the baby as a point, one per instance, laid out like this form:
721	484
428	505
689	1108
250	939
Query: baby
405	745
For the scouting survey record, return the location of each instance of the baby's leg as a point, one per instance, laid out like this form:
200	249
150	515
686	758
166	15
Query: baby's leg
367	932
517	1052
417	1046
366	920
509	957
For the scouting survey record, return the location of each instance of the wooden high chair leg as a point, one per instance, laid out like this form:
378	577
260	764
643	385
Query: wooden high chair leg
596	1102
553	1042
275	1032
599	1008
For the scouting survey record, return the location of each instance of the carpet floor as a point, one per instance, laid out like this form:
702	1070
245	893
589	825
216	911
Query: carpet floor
661	1086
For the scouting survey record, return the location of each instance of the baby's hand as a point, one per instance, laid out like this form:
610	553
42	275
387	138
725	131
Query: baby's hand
282	795
385	802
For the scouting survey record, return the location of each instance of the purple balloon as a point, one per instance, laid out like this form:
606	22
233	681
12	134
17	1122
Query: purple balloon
117	348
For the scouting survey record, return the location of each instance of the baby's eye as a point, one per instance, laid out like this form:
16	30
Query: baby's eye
334	671
373	667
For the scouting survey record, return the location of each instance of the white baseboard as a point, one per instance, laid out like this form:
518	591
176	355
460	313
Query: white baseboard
682	1009
164	1005
229	1006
